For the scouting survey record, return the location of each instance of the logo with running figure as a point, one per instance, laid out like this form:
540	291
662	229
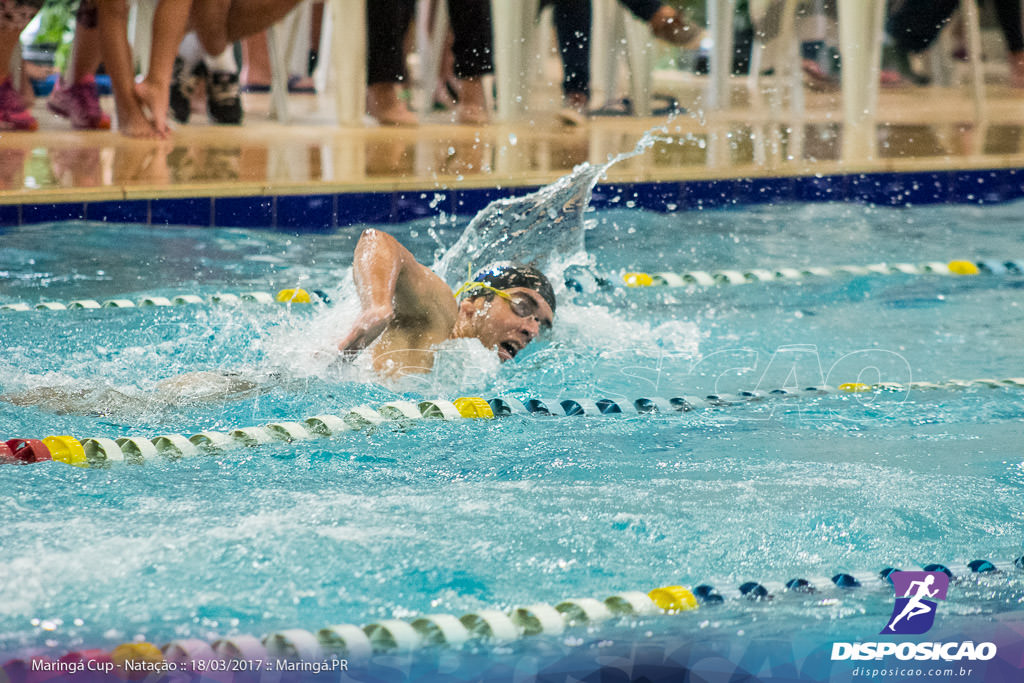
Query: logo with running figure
916	596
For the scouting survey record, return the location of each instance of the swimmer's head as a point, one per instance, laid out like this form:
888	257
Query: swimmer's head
505	306
507	275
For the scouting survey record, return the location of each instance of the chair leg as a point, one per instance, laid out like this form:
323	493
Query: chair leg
278	75
348	50
638	54
720	19
512	21
430	46
141	29
969	9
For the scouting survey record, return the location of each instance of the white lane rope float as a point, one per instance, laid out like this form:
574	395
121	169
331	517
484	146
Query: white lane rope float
358	644
732	276
285	296
103	451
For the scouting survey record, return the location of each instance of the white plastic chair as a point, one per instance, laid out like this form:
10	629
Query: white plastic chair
431	32
782	54
288	45
341	67
515	37
521	36
140	28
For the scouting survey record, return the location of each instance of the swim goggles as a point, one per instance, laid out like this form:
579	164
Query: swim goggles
522	305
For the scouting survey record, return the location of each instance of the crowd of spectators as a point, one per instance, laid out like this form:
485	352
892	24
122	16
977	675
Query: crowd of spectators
192	61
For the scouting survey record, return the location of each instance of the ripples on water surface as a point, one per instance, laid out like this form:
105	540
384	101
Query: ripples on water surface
454	517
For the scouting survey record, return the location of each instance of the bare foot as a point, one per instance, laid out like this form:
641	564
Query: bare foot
574	109
472	107
132	122
670	26
154	101
471	115
383	104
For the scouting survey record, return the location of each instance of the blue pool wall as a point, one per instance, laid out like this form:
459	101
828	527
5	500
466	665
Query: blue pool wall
328	211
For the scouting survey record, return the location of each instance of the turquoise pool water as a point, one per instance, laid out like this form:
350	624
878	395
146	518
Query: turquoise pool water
461	516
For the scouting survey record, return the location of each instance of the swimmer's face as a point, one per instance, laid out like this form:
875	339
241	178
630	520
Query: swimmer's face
507	325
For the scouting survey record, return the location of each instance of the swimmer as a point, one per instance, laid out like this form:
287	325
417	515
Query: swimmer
407	309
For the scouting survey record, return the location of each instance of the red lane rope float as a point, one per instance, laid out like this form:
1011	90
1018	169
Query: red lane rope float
29	450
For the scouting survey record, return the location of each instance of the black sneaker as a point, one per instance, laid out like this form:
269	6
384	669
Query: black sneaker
222	97
183	86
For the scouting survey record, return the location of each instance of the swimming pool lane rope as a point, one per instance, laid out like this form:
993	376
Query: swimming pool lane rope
357	644
103	451
286	296
711	278
578	279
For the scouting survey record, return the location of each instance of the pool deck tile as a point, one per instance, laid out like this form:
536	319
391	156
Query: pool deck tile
242	212
306	213
52	213
123	211
196	211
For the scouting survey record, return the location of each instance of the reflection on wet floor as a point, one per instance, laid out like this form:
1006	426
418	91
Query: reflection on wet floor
262	154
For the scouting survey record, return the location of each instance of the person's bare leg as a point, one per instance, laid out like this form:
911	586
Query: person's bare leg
169	24
255	61
209	21
76	96
112	24
14	17
86	53
14	109
8	40
219	23
246	17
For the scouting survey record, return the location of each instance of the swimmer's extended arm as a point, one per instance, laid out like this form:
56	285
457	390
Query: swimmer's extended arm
394	289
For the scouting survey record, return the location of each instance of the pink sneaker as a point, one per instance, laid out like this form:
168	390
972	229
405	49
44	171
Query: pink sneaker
13	112
79	102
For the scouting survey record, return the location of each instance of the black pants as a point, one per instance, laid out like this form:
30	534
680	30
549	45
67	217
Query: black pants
388	20
915	24
572	24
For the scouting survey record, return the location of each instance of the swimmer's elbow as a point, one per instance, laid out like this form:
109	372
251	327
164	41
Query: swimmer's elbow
371	238
377	246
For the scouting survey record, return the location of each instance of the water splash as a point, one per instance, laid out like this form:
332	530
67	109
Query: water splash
544	229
